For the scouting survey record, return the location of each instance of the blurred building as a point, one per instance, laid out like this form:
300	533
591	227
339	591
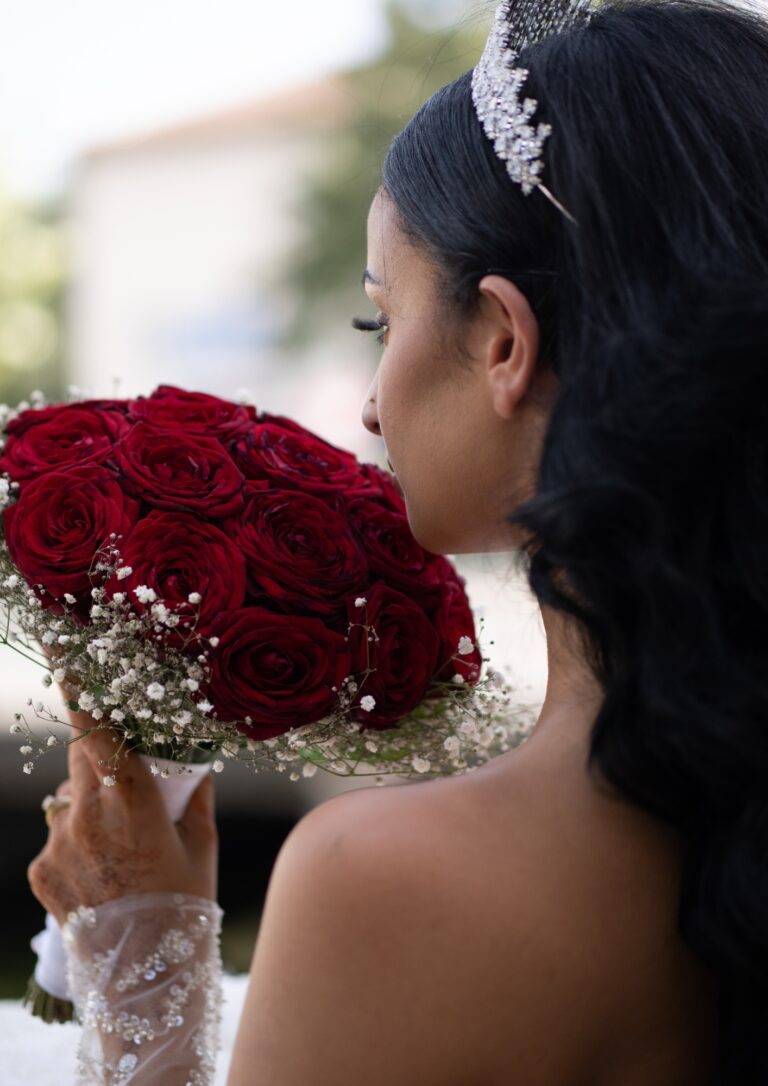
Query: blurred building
177	241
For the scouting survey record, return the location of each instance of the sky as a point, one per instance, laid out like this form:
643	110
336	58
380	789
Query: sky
74	73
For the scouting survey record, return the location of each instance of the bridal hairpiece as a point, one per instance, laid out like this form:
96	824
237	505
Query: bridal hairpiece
497	83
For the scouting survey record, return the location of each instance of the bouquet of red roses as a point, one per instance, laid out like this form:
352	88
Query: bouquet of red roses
209	579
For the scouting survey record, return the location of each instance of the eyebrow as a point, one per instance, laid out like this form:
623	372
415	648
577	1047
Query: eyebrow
368	277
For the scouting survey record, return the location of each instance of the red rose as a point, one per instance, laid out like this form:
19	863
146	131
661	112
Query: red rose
176	554
379	486
195	413
393	552
172	470
404	656
453	620
281	453
286	423
52	438
300	552
278	670
119	406
59	524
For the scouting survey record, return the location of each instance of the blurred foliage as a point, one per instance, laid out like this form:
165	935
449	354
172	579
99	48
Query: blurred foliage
429	45
32	284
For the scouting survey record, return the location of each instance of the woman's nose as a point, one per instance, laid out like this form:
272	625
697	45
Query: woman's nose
371	417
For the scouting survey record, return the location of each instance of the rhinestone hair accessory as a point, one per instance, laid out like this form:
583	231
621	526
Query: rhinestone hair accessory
497	84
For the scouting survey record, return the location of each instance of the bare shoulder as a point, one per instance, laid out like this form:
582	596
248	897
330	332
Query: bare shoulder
351	928
388	951
443	932
513	899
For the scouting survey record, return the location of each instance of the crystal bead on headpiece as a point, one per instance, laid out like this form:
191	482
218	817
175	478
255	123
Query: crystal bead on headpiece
497	84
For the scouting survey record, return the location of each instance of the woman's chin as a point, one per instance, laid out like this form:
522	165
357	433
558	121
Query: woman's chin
429	535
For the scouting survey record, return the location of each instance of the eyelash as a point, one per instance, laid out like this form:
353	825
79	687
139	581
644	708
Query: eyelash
381	324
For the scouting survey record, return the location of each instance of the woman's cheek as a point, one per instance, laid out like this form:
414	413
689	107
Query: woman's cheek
389	412
403	428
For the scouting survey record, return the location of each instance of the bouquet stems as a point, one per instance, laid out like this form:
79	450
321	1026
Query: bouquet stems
43	1005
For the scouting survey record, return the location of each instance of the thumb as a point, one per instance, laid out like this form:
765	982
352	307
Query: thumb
198	823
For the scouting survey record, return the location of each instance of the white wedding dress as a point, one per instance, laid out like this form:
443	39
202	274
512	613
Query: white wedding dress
145	976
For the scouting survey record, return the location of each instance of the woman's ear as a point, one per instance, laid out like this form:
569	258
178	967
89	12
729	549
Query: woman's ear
509	346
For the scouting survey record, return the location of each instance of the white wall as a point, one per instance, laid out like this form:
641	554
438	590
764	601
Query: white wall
175	252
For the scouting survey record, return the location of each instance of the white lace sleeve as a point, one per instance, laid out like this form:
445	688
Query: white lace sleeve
145	976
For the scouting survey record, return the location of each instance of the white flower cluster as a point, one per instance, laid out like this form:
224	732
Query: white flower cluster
120	667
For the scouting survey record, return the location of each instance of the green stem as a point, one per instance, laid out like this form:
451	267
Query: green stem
43	1005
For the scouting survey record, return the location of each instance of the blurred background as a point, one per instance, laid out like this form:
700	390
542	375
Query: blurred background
183	199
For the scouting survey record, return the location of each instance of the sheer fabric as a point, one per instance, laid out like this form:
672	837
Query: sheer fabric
145	975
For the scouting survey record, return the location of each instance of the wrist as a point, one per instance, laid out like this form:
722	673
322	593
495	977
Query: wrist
145	975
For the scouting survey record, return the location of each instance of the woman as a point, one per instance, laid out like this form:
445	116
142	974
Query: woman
590	395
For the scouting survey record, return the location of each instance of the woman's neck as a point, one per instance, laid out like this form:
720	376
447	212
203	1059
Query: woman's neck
572	702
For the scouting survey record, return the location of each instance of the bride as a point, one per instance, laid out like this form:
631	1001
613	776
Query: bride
575	371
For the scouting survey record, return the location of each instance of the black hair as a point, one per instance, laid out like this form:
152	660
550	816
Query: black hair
649	522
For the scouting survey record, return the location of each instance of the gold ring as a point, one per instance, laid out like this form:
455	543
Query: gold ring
52	805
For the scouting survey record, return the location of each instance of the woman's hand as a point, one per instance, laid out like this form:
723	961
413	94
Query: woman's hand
120	840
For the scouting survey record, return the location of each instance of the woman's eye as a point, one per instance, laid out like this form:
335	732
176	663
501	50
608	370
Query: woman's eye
380	324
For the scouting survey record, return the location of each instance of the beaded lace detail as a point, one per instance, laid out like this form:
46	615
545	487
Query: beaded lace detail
145	975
